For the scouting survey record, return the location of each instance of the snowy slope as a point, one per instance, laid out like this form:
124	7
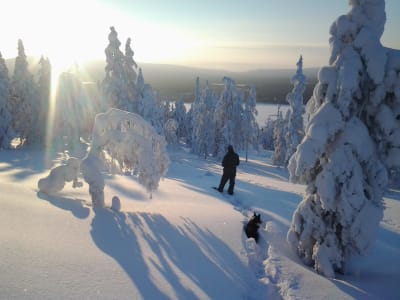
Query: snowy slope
184	243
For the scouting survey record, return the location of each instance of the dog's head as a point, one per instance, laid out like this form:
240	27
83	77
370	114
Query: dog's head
256	219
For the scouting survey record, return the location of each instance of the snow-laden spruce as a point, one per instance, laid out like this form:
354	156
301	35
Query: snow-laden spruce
202	116
295	126
179	114
24	99
127	144
227	116
353	122
6	131
249	126
119	84
148	105
279	134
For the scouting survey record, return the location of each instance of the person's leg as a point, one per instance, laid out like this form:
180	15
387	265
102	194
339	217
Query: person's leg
223	181
231	184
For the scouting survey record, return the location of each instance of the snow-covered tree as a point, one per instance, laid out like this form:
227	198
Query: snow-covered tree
203	129
44	86
70	117
170	131
167	110
266	137
6	131
249	124
280	147
352	133
149	107
130	67
194	114
24	102
227	116
116	84
179	114
295	126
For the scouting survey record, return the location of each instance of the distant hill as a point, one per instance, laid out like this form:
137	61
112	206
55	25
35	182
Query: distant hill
174	81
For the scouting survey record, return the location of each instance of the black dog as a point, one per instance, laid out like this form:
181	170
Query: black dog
251	228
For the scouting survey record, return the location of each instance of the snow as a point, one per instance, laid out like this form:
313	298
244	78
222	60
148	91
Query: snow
186	242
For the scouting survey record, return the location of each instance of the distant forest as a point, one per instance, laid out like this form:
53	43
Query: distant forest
175	82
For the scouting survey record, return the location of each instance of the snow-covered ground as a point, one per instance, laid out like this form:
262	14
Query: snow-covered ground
186	242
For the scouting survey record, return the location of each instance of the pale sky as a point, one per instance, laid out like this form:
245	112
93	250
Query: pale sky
227	34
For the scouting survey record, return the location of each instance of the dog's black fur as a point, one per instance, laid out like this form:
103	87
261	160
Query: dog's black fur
251	228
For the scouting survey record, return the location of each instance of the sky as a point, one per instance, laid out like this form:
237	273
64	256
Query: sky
224	34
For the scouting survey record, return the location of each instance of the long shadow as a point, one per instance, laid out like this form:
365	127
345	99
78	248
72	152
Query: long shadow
155	253
75	206
112	234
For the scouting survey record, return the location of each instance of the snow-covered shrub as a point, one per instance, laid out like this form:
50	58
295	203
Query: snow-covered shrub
58	176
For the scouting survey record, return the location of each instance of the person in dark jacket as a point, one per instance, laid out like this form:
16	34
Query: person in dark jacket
230	162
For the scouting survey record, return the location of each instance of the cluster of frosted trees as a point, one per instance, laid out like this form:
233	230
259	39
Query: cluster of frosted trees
216	118
212	123
23	101
219	121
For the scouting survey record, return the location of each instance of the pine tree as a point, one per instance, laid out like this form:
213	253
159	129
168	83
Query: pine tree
149	106
266	137
352	130
115	82
195	114
24	104
249	125
203	142
179	114
44	87
6	131
70	119
227	116
295	126
130	67
280	147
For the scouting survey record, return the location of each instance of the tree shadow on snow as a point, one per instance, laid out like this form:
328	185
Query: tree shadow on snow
377	274
186	260
75	206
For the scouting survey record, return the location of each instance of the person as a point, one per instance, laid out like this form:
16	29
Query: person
229	163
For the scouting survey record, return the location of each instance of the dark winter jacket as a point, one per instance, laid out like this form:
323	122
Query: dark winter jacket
230	161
